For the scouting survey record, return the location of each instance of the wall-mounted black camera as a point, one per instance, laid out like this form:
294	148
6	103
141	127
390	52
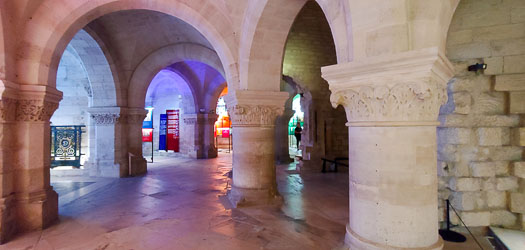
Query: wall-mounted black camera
477	66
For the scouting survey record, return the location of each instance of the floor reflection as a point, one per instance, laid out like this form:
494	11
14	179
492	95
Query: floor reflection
179	204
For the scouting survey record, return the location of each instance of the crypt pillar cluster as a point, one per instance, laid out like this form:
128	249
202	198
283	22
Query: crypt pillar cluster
253	115
392	104
198	141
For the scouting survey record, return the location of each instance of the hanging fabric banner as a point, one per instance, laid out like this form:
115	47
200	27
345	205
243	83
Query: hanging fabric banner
162	131
172	140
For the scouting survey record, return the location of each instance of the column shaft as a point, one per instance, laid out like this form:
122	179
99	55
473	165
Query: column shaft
393	194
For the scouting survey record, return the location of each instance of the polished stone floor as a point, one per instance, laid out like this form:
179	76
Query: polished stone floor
180	204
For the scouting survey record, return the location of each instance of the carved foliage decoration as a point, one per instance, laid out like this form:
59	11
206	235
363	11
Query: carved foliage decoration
35	110
254	115
105	118
402	102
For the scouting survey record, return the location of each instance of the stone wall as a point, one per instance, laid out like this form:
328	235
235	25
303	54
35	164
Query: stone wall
309	47
480	141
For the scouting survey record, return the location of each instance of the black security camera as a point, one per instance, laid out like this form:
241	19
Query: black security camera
477	66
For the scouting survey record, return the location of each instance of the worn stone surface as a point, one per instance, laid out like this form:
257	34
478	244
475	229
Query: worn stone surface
517	102
518	169
503	218
493	136
483	169
465	184
496	199
506	183
476	219
514	82
517	202
494	65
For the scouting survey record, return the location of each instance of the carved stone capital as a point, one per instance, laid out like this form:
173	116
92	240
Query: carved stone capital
36	103
105	116
396	90
255	108
254	115
105	119
35	110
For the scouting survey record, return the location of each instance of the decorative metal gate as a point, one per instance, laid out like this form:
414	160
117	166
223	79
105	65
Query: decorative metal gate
66	145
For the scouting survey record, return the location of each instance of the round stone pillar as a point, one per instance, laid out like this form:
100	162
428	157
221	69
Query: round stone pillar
392	103
253	115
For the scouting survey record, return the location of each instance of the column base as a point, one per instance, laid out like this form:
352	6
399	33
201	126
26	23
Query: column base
244	197
7	218
102	168
37	210
139	166
354	241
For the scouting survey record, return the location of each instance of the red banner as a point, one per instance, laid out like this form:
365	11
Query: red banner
225	133
173	130
147	134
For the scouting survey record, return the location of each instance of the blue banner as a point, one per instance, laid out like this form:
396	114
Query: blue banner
148	121
162	131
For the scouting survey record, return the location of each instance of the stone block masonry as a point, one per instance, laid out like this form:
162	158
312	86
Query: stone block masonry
482	133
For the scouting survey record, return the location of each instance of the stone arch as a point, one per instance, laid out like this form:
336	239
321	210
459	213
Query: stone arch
266	28
191	86
100	72
48	32
163	57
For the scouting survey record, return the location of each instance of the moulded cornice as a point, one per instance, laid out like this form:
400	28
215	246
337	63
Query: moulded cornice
375	70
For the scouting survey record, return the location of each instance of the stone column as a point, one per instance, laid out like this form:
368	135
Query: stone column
392	103
7	172
102	127
131	131
197	132
36	201
282	150
253	115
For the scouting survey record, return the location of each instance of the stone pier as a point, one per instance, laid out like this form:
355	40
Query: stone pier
392	104
253	115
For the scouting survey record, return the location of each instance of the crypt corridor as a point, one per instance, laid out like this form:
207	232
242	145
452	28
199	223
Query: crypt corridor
171	124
